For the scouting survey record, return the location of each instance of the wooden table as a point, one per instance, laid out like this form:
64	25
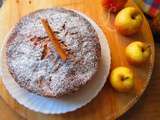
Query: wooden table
7	113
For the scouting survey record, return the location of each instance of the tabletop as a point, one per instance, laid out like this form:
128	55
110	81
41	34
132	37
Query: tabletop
147	108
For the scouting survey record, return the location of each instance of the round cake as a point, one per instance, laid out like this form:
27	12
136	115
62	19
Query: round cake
35	64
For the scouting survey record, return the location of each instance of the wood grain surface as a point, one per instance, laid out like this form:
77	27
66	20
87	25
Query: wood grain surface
109	104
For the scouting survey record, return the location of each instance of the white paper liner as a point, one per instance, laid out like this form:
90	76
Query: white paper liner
66	103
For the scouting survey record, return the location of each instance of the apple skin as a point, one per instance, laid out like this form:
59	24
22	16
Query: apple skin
128	21
114	5
122	79
138	52
155	24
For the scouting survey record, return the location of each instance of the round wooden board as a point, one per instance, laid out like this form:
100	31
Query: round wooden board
109	104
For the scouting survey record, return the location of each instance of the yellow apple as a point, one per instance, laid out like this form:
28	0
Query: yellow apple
122	79
128	21
138	52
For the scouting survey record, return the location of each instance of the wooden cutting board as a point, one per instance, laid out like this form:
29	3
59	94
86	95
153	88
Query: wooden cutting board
109	104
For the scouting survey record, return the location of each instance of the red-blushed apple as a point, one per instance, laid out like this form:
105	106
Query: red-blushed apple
138	52
122	79
114	5
155	24
128	21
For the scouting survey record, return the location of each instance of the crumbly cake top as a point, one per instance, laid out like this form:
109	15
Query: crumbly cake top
37	67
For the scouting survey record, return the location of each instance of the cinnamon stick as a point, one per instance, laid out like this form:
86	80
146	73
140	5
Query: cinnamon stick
54	40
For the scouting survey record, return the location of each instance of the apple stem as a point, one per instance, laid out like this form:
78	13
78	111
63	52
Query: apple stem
124	78
148	47
134	16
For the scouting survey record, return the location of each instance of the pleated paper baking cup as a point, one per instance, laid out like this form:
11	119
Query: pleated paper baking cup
65	103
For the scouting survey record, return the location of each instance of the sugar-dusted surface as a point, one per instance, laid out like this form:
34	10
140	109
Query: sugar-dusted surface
50	76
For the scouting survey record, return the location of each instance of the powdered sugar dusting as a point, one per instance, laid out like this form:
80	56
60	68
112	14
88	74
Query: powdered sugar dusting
51	76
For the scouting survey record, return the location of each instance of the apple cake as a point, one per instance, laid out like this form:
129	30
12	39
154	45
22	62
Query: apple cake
34	63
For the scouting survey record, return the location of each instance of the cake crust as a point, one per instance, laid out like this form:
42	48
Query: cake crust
34	63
